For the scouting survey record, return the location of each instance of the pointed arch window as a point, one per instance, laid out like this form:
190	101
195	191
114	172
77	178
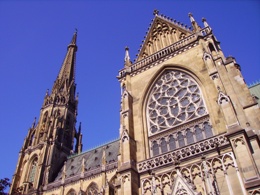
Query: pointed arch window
172	143
189	136
45	117
92	189
33	169
72	192
175	100
180	139
198	133
208	130
163	145
155	148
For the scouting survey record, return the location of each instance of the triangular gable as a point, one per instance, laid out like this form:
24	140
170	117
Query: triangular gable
182	187
162	33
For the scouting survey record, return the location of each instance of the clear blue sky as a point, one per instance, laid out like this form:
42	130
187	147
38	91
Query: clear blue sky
34	36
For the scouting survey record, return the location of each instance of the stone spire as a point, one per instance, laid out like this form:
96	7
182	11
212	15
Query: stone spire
66	76
79	144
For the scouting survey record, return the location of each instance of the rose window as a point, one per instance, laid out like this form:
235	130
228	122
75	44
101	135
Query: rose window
174	99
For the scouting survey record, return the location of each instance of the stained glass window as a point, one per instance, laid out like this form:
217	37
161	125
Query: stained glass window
180	139
198	133
155	148
189	136
172	143
32	171
208	130
174	99
163	145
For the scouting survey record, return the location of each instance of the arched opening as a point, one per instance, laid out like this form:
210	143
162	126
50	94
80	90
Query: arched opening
92	189
174	100
72	192
32	172
155	148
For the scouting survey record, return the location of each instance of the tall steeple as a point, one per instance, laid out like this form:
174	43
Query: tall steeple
51	140
66	76
64	88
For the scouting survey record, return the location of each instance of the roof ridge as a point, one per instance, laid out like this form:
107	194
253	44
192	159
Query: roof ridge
93	148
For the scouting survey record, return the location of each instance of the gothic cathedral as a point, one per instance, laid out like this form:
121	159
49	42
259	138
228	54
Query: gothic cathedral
188	125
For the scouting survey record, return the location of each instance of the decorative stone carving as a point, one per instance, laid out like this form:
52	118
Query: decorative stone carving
175	99
188	151
222	98
125	136
180	181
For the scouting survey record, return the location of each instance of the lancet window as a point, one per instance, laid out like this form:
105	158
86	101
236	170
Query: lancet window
176	100
33	169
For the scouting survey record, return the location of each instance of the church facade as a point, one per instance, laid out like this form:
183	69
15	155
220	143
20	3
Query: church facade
188	125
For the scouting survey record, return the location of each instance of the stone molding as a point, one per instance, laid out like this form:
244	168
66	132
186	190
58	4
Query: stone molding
182	153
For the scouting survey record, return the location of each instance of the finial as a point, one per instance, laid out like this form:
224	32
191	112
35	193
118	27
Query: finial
74	39
205	22
127	57
191	17
155	12
195	26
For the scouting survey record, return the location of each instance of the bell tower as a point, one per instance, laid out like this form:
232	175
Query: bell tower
51	140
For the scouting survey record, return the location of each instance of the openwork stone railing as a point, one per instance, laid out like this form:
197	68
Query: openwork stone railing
174	49
182	153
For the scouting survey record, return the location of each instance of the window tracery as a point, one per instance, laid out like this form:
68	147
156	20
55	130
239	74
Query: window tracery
32	171
175	100
92	189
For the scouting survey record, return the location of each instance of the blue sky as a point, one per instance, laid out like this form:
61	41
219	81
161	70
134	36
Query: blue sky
34	37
